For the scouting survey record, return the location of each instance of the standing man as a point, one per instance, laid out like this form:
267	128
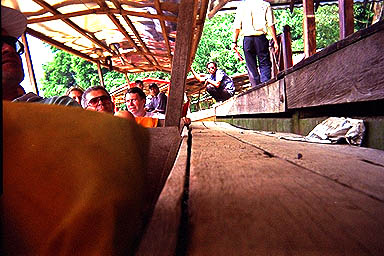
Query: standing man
219	85
254	18
158	102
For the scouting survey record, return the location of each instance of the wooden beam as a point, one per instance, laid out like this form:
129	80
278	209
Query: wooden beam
309	25
101	11
217	8
126	78
99	71
70	23
346	22
31	72
63	47
180	65
200	22
286	43
136	33
163	27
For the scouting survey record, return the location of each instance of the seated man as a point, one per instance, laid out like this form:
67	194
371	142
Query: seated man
219	85
13	24
135	101
159	100
98	99
75	93
140	84
74	182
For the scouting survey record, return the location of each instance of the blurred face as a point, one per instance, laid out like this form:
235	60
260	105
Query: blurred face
76	95
12	68
99	101
140	85
211	68
153	92
135	104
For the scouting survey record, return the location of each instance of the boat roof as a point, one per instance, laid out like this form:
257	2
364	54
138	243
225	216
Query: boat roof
127	36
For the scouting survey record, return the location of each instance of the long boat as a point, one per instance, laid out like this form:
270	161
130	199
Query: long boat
220	190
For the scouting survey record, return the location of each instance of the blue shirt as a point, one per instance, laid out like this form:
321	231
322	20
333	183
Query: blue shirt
158	103
226	82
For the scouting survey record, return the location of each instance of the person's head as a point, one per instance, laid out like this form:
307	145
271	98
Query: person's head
13	24
75	93
153	90
140	84
212	67
97	98
135	101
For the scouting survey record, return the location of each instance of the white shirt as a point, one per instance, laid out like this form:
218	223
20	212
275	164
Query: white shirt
253	17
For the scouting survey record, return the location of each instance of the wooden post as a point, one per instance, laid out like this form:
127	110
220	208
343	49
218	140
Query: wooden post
198	101
346	22
100	74
126	78
31	72
180	62
286	45
309	28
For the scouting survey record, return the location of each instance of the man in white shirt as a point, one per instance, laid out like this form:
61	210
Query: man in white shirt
254	18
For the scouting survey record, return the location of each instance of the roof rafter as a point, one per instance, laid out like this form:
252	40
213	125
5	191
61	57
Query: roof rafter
98	11
163	28
74	26
64	47
136	33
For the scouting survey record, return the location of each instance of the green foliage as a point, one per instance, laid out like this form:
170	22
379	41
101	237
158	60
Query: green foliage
215	45
363	16
67	70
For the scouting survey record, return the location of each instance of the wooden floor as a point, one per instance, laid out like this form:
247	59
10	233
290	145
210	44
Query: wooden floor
253	194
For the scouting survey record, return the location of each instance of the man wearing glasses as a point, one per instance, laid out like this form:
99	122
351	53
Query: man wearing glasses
98	99
13	24
219	85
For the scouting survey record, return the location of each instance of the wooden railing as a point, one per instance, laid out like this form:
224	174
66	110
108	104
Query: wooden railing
283	59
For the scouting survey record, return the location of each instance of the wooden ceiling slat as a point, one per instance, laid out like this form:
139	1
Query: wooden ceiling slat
199	27
136	33
217	8
115	21
64	47
74	26
98	11
163	28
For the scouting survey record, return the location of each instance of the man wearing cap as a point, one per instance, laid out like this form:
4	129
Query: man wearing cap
13	25
254	18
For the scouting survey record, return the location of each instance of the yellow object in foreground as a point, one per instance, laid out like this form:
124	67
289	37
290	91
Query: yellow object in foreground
148	122
74	181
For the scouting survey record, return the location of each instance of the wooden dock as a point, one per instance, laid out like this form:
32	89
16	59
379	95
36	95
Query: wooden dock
248	193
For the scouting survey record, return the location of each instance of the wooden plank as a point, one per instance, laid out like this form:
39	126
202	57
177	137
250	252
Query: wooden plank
161	235
351	74
286	43
242	201
342	163
28	59
163	147
267	99
309	26
180	63
99	71
346	22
